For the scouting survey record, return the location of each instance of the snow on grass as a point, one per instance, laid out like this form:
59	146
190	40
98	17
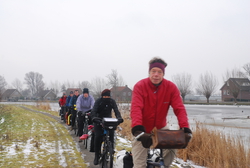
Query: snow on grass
2	121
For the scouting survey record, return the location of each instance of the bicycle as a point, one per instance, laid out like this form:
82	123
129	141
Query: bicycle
85	127
63	113
107	149
74	110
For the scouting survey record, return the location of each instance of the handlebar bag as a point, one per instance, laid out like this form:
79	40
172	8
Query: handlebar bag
110	123
168	139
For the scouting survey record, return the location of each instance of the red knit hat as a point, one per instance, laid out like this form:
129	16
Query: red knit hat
106	92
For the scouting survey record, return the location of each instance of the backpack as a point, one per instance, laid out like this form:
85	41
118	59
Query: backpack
128	160
124	159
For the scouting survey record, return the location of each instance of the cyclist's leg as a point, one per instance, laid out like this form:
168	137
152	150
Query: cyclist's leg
139	154
64	113
80	124
168	156
97	142
73	118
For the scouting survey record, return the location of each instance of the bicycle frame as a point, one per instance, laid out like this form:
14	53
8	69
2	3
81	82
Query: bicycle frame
85	127
158	161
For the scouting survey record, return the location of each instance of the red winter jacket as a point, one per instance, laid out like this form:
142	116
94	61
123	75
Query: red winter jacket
150	104
62	101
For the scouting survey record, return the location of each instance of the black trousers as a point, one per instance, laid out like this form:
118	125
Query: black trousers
80	122
63	111
99	137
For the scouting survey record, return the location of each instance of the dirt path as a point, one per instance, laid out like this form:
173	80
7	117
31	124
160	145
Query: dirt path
87	156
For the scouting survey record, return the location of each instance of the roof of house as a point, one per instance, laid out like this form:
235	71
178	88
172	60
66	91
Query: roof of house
241	83
9	92
44	93
119	88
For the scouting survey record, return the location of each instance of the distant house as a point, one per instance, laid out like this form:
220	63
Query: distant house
121	93
11	95
73	89
46	95
236	89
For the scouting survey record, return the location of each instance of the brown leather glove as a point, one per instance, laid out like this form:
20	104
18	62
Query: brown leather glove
145	138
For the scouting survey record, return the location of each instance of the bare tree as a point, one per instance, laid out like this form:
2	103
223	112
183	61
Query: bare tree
207	85
246	67
3	83
69	84
85	84
114	79
34	81
63	88
98	85
55	86
234	73
17	84
184	83
26	93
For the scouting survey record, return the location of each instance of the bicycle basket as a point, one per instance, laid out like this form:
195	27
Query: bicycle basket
110	123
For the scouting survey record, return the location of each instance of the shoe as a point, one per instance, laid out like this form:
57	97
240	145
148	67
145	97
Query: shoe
71	128
84	136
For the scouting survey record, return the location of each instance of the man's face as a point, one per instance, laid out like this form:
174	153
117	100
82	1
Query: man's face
76	93
156	75
105	97
85	95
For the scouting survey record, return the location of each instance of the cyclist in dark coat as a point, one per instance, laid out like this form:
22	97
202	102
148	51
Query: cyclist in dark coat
72	105
102	108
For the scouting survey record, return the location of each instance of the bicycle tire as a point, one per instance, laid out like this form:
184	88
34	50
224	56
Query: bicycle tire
101	160
109	156
76	126
85	131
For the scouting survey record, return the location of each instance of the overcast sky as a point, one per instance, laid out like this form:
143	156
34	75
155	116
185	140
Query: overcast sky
78	40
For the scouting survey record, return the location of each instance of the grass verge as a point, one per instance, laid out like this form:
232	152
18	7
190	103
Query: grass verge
212	149
29	139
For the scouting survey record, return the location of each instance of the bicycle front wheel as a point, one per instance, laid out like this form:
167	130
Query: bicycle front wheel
85	131
109	157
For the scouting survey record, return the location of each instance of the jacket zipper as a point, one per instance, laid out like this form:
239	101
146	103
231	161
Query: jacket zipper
156	104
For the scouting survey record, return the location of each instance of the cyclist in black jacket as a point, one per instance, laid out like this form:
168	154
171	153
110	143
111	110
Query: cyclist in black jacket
72	105
102	108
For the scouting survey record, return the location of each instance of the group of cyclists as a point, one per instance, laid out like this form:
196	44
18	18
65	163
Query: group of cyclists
151	100
74	108
68	108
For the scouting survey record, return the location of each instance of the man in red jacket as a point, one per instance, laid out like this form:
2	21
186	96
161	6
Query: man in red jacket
151	100
62	104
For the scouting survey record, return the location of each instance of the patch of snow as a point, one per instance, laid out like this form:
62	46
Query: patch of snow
2	120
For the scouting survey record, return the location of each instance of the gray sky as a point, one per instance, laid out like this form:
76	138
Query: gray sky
78	40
